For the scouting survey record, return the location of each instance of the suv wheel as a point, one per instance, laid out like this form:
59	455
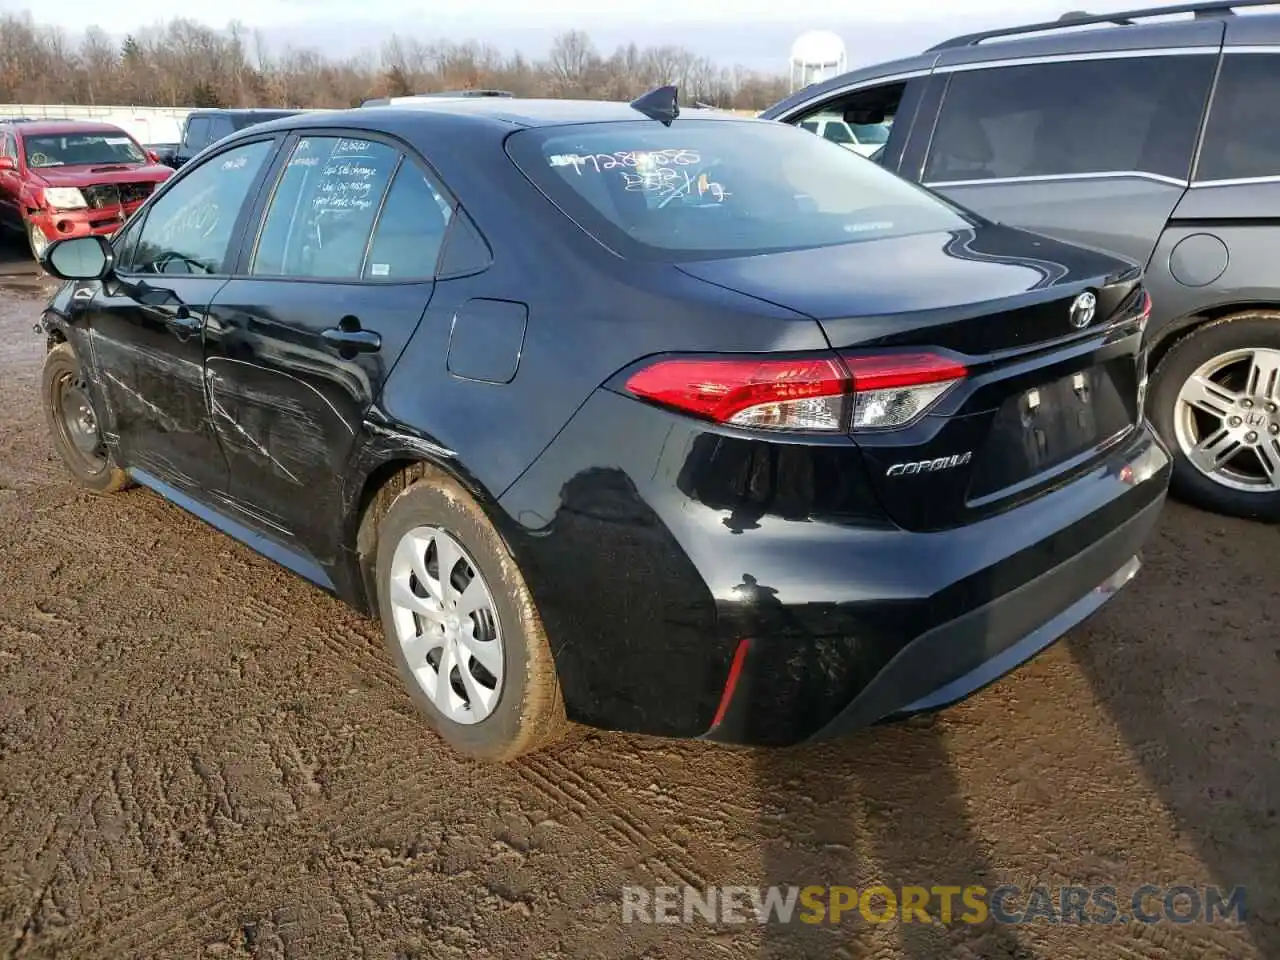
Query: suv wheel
74	424
461	627
1215	397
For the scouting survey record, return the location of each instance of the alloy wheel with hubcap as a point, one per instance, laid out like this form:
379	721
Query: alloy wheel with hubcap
445	621
1227	419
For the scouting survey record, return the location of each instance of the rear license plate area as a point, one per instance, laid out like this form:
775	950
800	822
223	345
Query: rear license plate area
1038	429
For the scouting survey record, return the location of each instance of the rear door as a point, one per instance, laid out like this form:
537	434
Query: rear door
303	337
1093	146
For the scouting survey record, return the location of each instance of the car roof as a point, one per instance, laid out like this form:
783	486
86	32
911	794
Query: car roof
529	113
243	111
496	116
50	127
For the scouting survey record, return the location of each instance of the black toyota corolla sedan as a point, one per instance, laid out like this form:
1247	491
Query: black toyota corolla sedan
683	424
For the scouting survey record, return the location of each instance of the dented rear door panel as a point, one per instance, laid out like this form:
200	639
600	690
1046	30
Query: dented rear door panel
288	392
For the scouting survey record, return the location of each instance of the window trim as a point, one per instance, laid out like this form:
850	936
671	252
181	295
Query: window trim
1197	184
247	205
1149	175
262	206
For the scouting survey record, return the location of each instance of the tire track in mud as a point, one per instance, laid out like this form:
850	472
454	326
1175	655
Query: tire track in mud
571	792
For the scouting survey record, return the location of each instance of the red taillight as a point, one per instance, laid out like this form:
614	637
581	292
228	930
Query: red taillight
888	389
806	394
1146	307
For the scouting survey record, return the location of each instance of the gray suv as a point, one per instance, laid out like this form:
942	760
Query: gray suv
1154	134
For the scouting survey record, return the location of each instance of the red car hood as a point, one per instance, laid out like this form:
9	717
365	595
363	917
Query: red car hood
86	176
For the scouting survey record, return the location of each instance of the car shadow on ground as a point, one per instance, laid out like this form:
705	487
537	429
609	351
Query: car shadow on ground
1197	721
1200	712
900	822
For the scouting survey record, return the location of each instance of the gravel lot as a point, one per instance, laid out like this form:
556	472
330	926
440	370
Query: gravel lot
201	755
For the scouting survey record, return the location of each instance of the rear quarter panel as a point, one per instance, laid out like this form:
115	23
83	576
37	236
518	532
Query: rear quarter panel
1218	252
589	313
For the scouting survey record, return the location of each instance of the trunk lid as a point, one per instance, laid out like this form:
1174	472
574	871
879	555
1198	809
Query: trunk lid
1043	398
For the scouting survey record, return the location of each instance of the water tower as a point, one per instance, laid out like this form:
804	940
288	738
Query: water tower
816	56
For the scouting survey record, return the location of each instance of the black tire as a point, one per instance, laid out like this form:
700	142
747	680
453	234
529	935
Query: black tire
529	713
98	473
1253	329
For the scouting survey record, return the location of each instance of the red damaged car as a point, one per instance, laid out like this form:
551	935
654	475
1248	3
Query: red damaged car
72	178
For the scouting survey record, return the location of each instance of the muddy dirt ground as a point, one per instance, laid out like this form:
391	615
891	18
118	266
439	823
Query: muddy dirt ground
203	756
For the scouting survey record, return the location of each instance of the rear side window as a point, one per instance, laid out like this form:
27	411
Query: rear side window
1242	139
410	232
1126	115
718	188
323	209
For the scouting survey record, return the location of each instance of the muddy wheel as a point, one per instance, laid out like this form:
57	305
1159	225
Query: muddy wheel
461	627
74	424
38	242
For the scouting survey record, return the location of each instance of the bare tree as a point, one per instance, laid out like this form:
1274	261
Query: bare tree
184	63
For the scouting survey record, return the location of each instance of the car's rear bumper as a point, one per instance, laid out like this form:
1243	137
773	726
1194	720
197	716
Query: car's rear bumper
667	557
955	659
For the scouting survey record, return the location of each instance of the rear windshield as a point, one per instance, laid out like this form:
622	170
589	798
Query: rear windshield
701	189
82	149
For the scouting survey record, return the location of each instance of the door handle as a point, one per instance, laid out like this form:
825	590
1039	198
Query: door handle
349	338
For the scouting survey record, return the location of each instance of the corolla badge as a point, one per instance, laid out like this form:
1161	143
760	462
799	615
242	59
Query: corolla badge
1082	310
929	466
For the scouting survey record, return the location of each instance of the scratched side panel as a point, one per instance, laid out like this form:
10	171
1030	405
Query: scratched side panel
287	405
151	376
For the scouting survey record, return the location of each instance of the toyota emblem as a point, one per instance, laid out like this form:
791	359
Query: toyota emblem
1082	310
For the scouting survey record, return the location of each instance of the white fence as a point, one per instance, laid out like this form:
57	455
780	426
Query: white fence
146	124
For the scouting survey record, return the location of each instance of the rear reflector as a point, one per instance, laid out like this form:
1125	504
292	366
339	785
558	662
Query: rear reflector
803	394
894	389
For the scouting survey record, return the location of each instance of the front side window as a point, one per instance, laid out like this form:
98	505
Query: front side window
1242	139
709	188
1125	115
322	212
189	227
82	149
197	134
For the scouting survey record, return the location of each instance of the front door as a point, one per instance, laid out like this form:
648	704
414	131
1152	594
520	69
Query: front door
147	322
301	342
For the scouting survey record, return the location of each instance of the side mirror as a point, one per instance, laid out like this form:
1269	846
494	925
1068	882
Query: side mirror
79	258
8	163
153	156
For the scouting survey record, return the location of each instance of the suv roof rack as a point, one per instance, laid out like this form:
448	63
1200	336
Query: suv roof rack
1204	10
